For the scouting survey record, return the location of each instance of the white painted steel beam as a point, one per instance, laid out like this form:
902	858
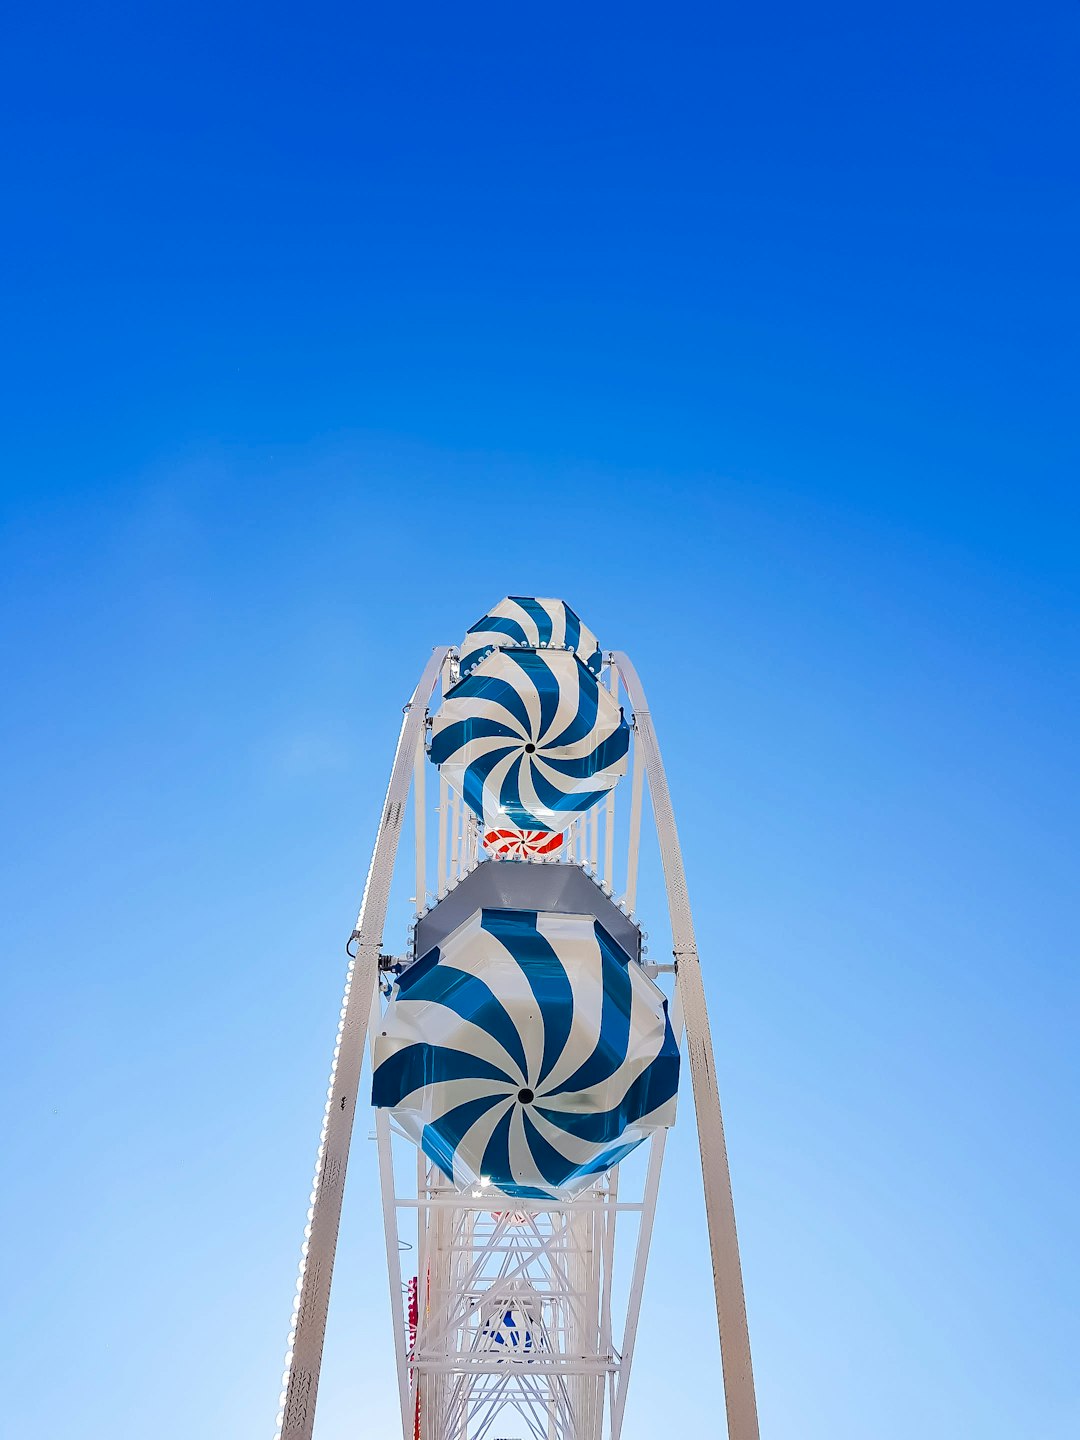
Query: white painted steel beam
637	1281
739	1395
304	1361
633	849
420	821
442	881
393	1263
609	803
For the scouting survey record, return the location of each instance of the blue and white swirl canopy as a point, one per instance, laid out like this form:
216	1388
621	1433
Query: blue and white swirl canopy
530	740
527	1053
538	624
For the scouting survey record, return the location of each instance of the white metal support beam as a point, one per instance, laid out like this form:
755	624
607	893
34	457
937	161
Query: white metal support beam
609	803
739	1396
420	821
304	1360
393	1268
634	846
637	1282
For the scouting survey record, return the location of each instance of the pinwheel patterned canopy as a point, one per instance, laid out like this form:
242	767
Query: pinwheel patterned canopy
530	740
528	1053
509	844
540	624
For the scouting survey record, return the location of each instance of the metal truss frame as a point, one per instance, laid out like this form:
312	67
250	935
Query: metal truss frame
513	1308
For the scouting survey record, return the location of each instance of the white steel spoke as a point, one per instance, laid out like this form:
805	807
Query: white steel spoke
393	1261
637	773
420	821
637	1283
609	803
444	808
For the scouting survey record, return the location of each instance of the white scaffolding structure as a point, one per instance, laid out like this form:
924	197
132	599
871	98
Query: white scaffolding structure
512	1307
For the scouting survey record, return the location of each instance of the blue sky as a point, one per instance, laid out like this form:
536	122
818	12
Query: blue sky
752	335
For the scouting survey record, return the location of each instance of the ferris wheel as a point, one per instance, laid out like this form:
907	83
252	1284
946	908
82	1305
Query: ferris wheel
522	1046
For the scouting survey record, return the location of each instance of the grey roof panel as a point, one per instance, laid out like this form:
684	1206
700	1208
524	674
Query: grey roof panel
526	885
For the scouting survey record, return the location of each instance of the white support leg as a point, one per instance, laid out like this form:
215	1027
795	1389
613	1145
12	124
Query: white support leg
739	1393
637	1282
301	1378
609	1220
393	1265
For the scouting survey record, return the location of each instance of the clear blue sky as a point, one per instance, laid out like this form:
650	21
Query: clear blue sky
752	332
